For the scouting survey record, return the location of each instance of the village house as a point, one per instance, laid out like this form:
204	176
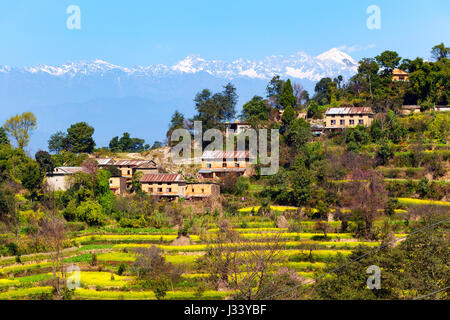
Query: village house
236	127
399	75
59	179
164	186
104	162
129	167
118	185
408	109
202	191
217	164
346	117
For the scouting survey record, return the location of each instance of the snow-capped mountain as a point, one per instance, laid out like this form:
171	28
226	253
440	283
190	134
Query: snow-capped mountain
97	91
299	65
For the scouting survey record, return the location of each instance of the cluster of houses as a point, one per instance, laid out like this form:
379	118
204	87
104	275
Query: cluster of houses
164	186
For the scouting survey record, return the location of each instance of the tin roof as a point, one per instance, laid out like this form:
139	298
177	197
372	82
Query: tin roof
131	163
226	155
104	161
349	110
162	177
148	165
68	170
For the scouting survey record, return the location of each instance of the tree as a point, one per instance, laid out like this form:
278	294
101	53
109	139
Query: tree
79	138
388	60
20	127
365	194
177	122
440	52
114	145
273	90
255	110
57	142
31	176
45	161
288	116
322	91
230	99
3	137
53	233
287	97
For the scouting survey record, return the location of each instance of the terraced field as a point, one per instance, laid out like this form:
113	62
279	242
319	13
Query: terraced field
306	252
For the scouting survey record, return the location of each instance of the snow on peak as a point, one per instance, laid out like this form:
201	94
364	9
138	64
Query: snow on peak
299	65
338	56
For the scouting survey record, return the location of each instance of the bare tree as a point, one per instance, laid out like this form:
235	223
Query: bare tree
365	194
53	233
251	269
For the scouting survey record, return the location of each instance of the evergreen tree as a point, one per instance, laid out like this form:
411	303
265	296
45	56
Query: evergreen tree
287	97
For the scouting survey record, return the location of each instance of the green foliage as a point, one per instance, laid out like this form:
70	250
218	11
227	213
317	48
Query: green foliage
20	126
57	142
127	144
45	161
287	98
3	136
91	212
255	111
79	138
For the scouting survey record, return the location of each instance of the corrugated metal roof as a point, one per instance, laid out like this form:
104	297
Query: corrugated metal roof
68	170
349	110
131	163
226	155
162	177
147	165
104	162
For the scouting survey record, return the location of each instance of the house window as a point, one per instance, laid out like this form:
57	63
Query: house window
236	164
203	190
361	121
360	115
159	183
159	189
110	182
192	189
333	122
333	115
352	121
342	122
224	165
150	190
128	172
169	190
208	165
351	116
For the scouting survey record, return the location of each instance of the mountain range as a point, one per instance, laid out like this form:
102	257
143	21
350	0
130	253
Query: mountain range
141	99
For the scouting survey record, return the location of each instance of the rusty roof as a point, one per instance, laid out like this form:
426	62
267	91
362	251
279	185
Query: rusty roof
162	177
148	165
349	110
226	155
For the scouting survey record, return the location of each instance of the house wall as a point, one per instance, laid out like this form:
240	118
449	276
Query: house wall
177	189
58	182
202	189
366	119
147	171
215	164
399	77
126	171
118	185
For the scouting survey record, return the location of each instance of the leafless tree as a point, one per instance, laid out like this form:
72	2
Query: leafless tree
366	193
53	233
248	267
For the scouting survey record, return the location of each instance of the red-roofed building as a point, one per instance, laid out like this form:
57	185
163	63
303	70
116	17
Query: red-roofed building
346	117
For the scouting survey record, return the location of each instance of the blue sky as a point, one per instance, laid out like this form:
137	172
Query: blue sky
144	32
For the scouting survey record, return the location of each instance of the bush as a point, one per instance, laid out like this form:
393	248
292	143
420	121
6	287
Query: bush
90	212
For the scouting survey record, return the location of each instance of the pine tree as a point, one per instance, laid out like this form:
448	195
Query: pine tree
287	95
